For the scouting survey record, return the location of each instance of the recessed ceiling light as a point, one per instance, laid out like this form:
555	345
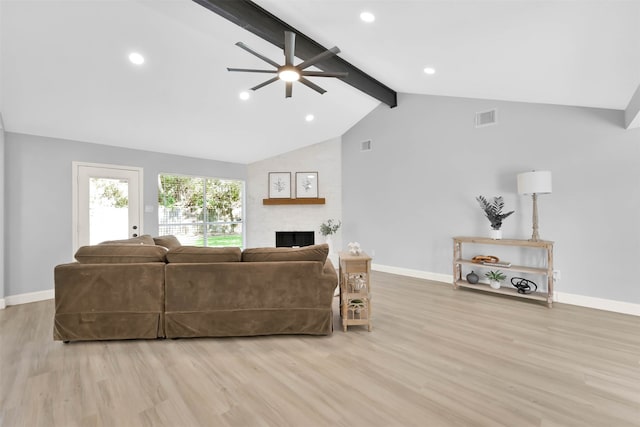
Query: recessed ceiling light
430	71
309	117
136	58
244	95
367	17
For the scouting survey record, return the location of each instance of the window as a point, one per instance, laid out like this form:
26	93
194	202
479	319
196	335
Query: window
201	211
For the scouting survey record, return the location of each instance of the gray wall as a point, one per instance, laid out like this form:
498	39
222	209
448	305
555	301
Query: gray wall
38	199
416	189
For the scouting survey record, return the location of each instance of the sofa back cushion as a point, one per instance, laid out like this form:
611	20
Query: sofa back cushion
197	254
114	253
169	241
145	239
305	253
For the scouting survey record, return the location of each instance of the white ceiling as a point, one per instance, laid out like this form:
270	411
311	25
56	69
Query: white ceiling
65	73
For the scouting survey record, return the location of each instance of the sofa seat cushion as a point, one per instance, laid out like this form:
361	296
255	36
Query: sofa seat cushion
305	253
197	254
168	241
121	254
145	239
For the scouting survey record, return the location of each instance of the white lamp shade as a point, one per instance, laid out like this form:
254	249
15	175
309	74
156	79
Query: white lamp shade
538	182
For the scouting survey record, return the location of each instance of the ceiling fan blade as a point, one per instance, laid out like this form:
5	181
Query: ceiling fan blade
312	85
289	47
288	89
250	70
253	52
325	74
263	84
327	53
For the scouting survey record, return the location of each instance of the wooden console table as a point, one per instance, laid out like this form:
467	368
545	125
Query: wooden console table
355	289
546	271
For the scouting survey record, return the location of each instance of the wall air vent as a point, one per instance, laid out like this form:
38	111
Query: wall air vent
486	118
365	145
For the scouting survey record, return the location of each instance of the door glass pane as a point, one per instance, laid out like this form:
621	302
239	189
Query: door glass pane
108	209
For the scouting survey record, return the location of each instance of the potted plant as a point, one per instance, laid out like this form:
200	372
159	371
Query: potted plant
330	227
495	277
327	229
493	212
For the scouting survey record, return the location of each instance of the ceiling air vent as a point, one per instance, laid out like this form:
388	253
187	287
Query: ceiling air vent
365	145
486	118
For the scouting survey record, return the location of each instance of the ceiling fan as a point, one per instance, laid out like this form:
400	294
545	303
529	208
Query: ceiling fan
289	72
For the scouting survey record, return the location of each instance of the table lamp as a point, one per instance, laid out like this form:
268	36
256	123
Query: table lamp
534	183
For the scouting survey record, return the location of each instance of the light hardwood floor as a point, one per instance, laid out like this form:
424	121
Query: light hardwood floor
436	357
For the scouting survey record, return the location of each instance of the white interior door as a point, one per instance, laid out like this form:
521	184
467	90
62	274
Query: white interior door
107	203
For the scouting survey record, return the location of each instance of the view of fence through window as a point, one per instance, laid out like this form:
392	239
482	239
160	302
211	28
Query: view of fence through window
200	211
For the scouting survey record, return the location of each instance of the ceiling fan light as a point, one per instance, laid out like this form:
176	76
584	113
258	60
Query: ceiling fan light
289	75
367	17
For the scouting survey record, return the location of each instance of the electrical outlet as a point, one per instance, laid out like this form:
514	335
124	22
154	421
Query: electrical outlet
556	275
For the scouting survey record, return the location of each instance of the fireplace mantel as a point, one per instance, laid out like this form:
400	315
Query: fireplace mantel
314	201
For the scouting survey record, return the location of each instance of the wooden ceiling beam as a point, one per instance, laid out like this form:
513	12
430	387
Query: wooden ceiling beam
269	27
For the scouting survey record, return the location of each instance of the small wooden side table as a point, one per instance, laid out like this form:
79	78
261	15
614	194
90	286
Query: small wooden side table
355	289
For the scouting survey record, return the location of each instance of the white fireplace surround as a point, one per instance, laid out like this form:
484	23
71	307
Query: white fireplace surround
262	221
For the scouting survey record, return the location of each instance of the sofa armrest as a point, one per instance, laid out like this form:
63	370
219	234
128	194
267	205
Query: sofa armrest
330	276
329	269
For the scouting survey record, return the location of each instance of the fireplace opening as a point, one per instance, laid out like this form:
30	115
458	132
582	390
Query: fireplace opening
293	239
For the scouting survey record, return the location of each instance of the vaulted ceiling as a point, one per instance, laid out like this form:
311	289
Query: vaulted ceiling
64	70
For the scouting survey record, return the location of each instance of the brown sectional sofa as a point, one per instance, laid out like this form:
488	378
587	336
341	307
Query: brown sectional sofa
135	289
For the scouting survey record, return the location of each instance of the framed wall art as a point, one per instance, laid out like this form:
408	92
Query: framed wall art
279	185
306	185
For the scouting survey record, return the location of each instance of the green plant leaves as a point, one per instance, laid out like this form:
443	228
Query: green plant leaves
493	210
330	227
495	275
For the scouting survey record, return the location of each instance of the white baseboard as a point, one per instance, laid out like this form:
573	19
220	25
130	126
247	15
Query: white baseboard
419	274
599	303
3	304
561	297
27	298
